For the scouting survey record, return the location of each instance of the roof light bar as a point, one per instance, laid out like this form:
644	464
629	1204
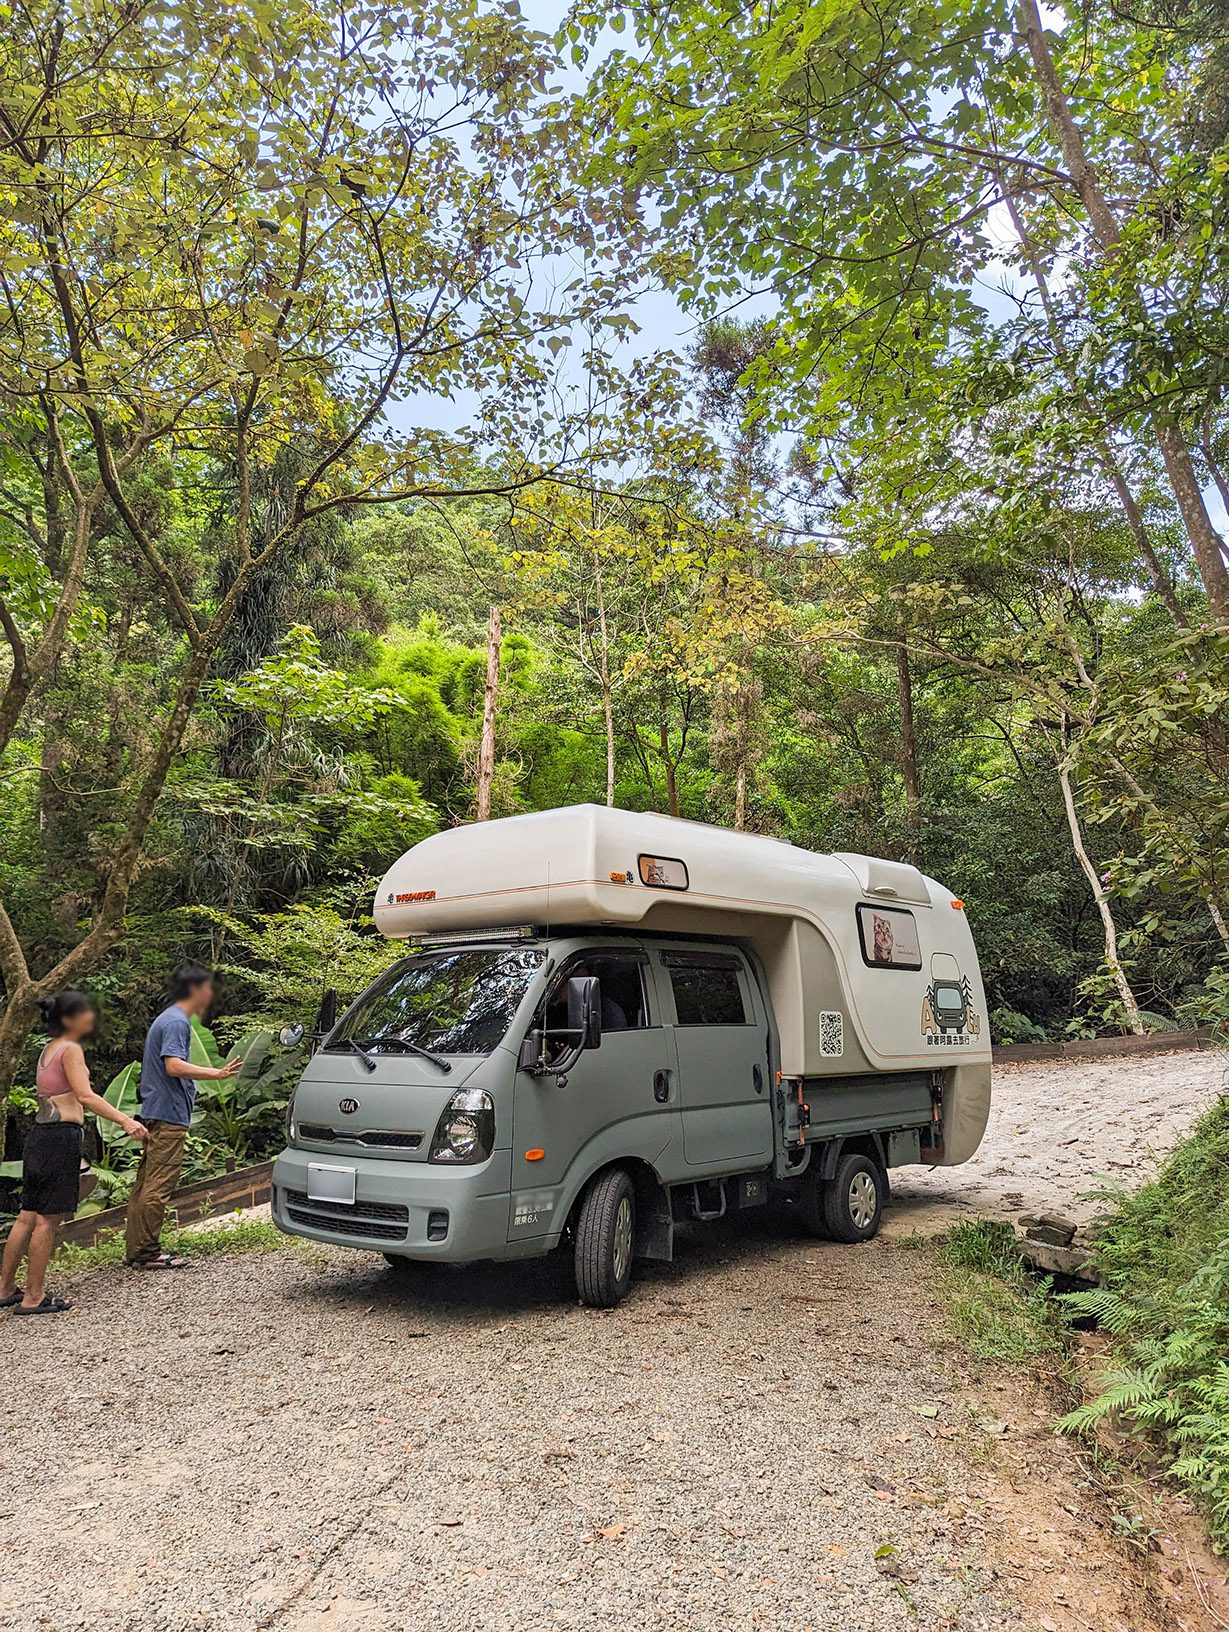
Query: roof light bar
461	937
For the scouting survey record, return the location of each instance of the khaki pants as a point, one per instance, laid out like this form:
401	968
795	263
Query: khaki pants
157	1176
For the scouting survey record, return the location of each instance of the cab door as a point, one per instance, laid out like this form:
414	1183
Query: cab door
719	1031
618	1100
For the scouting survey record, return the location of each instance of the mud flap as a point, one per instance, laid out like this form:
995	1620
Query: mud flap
654	1220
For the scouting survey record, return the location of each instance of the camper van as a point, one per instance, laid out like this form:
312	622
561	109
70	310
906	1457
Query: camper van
605	1023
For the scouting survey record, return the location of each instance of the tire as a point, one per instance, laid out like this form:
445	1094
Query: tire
605	1240
851	1201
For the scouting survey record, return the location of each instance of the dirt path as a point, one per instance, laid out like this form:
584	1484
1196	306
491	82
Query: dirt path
1060	1130
769	1435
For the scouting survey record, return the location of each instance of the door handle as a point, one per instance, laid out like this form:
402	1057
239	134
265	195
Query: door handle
757	1077
661	1086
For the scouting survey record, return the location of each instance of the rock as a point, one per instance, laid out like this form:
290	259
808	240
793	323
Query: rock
1055	1260
1051	1228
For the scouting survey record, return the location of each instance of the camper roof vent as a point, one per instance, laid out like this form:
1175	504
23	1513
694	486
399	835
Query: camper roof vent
890	880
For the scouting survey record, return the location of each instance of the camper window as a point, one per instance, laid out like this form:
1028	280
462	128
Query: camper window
707	994
888	937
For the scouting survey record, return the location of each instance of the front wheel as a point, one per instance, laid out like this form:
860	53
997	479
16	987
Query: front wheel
605	1240
852	1199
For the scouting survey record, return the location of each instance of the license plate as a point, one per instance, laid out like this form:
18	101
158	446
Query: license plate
325	1183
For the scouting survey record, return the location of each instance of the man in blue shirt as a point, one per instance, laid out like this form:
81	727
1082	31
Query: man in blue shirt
167	1094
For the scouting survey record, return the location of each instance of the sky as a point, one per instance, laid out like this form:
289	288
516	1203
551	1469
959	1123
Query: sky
665	326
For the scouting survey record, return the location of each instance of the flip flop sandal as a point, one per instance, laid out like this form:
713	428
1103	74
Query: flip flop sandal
164	1260
49	1306
11	1303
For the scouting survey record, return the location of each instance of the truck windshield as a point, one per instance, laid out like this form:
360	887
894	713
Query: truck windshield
458	1002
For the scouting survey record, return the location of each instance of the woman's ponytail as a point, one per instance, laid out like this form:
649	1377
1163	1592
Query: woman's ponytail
60	1007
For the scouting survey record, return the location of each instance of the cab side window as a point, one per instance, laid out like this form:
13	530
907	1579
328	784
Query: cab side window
707	992
623	1000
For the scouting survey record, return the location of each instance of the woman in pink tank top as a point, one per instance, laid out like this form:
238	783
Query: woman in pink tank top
51	1160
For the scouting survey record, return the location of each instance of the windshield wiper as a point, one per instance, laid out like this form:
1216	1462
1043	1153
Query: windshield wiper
361	1052
409	1047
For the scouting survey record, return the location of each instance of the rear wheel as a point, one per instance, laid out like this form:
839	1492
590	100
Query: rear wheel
605	1240
852	1199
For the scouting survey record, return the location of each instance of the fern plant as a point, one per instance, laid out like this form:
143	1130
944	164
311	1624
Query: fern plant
1164	1256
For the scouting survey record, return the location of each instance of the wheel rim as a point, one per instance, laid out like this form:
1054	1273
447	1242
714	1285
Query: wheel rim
863	1195
623	1238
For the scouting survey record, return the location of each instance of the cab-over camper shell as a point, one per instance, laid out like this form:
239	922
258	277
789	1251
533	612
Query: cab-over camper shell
859	976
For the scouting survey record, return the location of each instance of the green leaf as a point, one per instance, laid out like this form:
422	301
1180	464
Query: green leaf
204	1048
120	1093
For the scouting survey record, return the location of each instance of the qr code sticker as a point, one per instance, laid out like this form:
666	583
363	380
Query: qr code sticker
831	1035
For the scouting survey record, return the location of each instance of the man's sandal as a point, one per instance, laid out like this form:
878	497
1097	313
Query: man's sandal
10	1303
49	1306
163	1260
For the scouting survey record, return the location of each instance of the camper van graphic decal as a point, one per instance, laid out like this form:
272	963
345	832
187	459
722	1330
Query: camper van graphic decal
949	1019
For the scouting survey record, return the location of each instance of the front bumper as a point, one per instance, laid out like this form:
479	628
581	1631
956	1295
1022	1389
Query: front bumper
394	1205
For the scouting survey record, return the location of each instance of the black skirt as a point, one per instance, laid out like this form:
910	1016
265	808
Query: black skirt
51	1168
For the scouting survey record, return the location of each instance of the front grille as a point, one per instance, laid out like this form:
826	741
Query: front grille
372	1220
378	1138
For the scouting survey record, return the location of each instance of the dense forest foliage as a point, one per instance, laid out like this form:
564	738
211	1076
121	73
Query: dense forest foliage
921	557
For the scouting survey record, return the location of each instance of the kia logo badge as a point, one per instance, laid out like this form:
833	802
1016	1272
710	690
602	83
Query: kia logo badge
347	1106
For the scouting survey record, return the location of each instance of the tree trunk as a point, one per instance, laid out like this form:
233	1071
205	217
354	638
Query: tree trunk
1161	580
908	735
1176	454
1218	918
740	793
30	666
16	1023
604	676
490	702
1205	540
672	789
1102	900
107	926
608	718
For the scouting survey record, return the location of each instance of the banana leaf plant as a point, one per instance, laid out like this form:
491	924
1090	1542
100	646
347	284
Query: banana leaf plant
243	1114
118	1156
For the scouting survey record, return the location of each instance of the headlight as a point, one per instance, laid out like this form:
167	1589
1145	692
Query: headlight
290	1120
466	1131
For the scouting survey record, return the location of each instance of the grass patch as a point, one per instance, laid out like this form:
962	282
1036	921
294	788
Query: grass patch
995	1308
237	1235
1163	1257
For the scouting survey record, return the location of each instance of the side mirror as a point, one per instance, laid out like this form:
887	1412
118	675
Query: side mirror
327	1017
530	1056
585	1010
291	1036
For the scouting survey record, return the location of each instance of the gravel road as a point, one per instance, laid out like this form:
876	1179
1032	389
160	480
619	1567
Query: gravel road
1059	1131
307	1443
770	1434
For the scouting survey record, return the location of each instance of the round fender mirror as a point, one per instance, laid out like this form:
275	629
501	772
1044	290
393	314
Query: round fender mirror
291	1036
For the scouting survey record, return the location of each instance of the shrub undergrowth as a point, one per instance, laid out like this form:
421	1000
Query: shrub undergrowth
1163	1258
995	1307
230	1235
